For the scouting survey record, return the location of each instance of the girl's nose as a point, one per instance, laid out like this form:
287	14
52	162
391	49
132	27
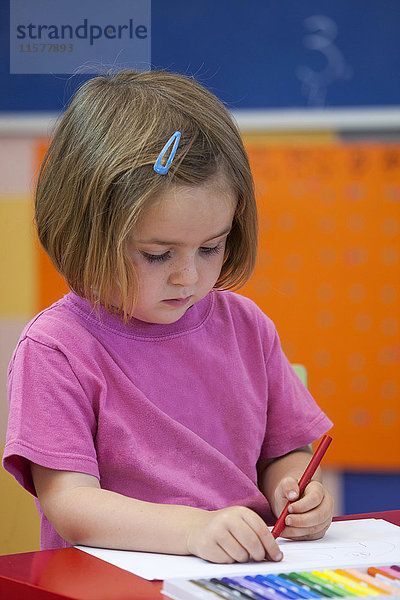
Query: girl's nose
184	274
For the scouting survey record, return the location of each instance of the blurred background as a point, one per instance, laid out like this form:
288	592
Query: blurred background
315	89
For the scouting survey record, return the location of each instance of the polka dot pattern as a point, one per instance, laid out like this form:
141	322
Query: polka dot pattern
328	275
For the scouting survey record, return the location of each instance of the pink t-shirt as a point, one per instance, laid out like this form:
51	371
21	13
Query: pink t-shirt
176	414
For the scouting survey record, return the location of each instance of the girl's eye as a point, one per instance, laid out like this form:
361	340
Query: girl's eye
152	258
210	251
160	258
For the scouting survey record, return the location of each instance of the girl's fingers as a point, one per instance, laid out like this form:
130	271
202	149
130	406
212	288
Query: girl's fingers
269	545
313	496
314	532
232	534
218	555
249	537
311	524
249	540
288	490
233	548
310	516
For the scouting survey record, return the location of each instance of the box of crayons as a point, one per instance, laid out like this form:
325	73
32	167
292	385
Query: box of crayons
381	581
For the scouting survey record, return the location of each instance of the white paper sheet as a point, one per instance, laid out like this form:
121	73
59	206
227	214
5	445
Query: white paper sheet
346	544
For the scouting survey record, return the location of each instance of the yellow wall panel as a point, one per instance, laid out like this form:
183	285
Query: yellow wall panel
10	331
17	261
20	525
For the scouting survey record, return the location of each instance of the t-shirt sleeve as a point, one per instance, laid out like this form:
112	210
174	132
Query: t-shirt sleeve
293	417
52	422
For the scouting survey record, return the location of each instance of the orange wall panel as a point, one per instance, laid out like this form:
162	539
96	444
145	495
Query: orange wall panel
328	275
51	285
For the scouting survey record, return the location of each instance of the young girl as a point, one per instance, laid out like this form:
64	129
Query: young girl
149	409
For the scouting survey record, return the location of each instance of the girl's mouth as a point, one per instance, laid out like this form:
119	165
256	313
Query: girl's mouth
177	302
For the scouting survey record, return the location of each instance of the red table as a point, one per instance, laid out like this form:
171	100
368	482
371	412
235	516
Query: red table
70	573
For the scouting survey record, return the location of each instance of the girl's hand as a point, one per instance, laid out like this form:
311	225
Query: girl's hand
233	534
309	516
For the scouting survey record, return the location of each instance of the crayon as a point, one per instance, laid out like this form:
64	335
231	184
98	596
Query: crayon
211	587
379	573
359	582
290	585
394	582
392	572
326	585
344	588
245	590
237	590
387	580
395	567
372	581
317	588
304	480
347	583
259	590
262	580
305	586
375	571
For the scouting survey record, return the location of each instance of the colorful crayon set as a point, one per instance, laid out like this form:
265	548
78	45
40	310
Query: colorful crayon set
381	581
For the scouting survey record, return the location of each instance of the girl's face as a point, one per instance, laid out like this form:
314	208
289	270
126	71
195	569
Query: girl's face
177	248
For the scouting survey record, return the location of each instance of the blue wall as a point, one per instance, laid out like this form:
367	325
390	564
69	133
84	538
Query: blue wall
253	54
370	492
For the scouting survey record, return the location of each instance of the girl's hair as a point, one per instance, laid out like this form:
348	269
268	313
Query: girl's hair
97	177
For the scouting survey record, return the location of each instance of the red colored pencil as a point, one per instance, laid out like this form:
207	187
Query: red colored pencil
305	479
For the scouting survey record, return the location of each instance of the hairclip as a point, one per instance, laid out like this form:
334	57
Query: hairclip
163	169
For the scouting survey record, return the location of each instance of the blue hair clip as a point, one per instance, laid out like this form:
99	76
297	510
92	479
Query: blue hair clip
163	169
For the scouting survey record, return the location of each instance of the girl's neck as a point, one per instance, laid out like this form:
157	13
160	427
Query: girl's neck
193	318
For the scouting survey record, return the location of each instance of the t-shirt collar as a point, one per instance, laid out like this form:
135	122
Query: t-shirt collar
193	318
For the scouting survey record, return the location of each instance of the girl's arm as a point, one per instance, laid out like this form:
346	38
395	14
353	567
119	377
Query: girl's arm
310	515
85	514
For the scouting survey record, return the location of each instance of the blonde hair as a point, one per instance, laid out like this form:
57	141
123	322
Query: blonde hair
97	177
